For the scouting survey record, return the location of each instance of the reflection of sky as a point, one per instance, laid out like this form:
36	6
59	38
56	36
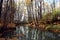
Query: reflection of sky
50	1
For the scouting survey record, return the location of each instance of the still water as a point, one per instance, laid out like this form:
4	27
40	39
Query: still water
35	34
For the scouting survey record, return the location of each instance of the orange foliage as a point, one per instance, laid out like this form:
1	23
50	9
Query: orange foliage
11	25
1	24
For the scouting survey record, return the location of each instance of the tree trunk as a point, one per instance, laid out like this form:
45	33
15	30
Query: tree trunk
41	9
53	4
1	1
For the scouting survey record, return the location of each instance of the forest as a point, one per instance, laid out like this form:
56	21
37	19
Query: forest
30	19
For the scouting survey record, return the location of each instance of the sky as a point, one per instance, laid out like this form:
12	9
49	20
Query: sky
50	1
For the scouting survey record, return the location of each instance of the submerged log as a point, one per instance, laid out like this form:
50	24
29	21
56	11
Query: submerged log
17	35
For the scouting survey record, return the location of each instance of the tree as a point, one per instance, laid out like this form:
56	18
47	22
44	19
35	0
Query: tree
1	1
40	9
53	4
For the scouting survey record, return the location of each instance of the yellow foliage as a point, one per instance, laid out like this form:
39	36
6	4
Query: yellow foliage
55	12
28	2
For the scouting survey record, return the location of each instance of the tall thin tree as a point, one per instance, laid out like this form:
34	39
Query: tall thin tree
1	1
53	4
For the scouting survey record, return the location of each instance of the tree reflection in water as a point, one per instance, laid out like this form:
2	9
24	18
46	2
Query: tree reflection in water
28	33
